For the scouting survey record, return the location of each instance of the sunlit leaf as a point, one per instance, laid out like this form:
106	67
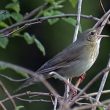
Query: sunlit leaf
40	46
57	5
71	21
14	6
29	39
32	39
17	16
19	107
52	13
101	108
3	24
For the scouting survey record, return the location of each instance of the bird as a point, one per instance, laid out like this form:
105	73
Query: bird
77	58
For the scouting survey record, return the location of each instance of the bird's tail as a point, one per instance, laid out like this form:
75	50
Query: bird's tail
27	83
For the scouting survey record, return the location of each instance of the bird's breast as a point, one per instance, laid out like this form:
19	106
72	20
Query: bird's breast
90	54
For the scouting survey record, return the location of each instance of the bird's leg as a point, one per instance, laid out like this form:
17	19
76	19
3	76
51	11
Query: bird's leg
67	90
81	78
74	91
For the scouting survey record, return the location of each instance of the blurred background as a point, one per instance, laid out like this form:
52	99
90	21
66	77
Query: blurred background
54	38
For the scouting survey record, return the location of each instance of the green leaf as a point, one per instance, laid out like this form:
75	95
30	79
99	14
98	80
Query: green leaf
3	41
14	6
17	16
29	39
4	15
3	24
58	4
39	45
70	21
19	107
53	21
32	39
73	3
101	108
52	13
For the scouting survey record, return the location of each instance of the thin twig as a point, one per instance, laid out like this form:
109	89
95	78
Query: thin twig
72	87
28	93
78	20
95	93
21	28
33	12
2	106
9	29
85	107
8	94
102	85
32	100
106	101
67	89
102	6
55	103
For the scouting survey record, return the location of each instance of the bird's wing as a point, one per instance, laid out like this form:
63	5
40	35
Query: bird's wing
62	59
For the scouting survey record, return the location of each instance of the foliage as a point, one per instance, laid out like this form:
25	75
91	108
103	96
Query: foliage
12	14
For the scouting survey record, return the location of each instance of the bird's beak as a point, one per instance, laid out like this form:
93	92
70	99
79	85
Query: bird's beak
101	36
101	24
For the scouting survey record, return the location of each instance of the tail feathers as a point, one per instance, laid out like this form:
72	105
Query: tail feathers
27	83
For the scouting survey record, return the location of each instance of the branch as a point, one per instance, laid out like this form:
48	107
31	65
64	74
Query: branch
27	23
28	93
78	20
71	86
8	94
32	100
3	107
55	103
95	93
86	107
32	74
90	83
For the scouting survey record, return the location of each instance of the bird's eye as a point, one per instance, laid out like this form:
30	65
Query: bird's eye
92	33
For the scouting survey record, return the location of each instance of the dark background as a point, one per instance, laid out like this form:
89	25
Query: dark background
54	38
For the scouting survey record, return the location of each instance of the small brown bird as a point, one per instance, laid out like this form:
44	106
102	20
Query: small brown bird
77	58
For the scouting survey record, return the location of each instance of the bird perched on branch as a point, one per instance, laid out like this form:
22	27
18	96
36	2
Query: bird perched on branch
77	58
